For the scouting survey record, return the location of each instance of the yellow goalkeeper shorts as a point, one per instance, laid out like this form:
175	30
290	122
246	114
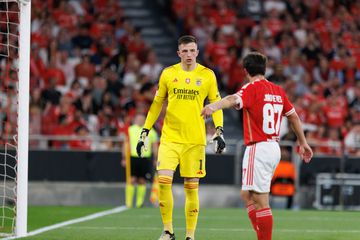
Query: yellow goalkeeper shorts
190	157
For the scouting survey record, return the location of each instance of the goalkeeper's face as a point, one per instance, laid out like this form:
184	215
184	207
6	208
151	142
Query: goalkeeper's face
188	53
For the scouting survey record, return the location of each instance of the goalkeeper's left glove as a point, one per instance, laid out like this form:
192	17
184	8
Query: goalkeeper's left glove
142	145
218	140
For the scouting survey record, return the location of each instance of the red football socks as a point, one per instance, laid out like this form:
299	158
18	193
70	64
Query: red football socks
264	220
252	215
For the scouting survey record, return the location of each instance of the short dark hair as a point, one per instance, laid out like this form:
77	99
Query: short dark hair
186	39
255	63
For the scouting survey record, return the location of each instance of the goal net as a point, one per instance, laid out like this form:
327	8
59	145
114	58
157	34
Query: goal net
14	102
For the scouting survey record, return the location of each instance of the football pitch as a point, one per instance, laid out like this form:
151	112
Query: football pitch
213	224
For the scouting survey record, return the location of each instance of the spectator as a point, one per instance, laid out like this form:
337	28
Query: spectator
294	70
85	69
51	94
352	140
81	144
83	39
67	65
152	68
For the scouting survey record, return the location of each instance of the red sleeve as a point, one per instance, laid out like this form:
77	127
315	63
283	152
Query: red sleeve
288	107
246	95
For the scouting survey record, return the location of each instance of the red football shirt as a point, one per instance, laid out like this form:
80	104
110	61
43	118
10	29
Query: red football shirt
264	103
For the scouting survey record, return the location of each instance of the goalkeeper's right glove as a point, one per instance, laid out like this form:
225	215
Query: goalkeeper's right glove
142	143
218	140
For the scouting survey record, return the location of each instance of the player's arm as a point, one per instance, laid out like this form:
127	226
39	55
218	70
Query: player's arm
155	145
305	150
152	115
217	116
154	112
157	103
214	96
229	101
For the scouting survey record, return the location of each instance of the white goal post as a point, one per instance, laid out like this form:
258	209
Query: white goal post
23	118
15	28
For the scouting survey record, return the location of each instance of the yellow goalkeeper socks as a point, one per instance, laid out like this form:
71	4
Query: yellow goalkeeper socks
129	195
166	202
191	207
140	195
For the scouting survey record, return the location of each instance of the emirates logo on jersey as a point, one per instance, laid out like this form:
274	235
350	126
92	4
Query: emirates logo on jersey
194	210
187	80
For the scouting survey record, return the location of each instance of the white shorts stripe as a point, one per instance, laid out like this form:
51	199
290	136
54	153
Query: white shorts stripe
248	168
251	165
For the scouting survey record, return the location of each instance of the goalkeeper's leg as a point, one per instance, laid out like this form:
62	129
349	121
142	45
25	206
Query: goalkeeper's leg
191	188
166	202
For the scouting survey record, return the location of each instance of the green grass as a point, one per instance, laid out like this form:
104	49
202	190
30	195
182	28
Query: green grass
214	224
7	214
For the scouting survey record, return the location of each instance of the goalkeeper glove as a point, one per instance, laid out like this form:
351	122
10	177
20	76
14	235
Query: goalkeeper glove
142	143
218	140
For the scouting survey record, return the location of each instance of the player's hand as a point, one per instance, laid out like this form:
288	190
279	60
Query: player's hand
305	153
207	111
142	143
218	140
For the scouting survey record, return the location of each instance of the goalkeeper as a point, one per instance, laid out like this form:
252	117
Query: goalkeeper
185	86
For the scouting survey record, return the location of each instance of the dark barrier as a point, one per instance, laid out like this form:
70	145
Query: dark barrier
75	166
352	165
326	164
106	167
317	165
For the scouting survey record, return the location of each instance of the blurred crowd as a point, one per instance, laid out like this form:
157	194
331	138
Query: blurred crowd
91	71
313	48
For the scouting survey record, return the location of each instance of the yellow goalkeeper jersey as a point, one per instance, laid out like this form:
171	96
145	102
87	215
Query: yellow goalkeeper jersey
186	92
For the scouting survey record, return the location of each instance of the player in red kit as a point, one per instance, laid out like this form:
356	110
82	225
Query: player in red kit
263	104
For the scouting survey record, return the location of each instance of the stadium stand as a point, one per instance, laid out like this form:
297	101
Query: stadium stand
95	63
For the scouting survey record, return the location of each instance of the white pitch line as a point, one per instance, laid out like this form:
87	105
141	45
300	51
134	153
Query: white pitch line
77	220
217	229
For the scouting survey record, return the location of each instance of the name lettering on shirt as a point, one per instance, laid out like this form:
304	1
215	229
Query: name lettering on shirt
273	98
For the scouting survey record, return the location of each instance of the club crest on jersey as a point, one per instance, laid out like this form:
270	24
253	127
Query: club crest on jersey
198	82
175	80
187	80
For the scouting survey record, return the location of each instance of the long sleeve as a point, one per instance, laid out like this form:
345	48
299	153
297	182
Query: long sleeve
157	103
214	96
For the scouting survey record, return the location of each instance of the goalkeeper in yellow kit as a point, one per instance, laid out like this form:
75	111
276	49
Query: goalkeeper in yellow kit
186	86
